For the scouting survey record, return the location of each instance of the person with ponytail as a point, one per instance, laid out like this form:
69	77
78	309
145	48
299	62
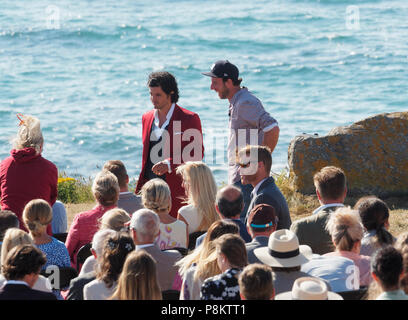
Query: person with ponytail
26	175
346	231
156	196
374	215
37	215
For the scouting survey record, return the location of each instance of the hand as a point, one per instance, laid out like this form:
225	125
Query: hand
160	168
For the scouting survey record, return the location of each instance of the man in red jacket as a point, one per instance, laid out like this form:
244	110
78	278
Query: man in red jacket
171	136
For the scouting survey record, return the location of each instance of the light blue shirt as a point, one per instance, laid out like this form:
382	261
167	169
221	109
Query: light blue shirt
393	295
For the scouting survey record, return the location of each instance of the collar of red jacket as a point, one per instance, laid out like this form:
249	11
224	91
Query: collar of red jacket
24	155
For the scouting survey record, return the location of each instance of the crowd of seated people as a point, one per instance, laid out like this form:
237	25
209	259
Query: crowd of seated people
138	251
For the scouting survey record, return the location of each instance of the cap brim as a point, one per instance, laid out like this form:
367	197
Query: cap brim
288	296
304	256
209	74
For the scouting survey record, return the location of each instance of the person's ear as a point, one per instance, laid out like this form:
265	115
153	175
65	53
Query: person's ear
319	197
242	297
374	276
93	253
273	294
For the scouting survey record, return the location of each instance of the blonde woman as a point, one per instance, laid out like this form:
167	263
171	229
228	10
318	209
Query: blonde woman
12	238
201	191
105	189
114	219
347	230
26	175
138	280
37	215
201	263
156	197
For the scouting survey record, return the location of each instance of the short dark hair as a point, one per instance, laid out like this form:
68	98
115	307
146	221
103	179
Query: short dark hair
118	169
229	208
166	81
23	260
8	220
235	82
386	264
263	154
331	182
256	282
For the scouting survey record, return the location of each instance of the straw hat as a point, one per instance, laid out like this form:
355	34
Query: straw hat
283	250
307	288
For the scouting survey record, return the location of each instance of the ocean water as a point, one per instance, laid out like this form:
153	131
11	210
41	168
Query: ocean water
81	67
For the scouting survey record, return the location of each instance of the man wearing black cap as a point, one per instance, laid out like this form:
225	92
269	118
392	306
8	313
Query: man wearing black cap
248	121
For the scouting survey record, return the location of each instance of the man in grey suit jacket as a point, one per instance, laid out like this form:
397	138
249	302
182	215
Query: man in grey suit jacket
255	166
331	190
127	201
144	226
261	223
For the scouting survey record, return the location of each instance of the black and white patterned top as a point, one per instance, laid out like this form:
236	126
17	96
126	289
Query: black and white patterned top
222	287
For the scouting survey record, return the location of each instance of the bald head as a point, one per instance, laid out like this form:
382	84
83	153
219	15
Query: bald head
230	202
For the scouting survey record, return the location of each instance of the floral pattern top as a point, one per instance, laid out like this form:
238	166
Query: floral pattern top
222	287
56	253
172	235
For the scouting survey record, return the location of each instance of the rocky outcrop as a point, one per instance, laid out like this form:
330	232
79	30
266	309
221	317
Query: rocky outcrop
373	153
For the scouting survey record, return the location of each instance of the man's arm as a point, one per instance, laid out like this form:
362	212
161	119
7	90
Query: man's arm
271	138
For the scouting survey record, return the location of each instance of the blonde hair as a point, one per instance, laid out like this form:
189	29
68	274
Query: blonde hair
345	228
138	280
114	219
29	134
204	255
105	188
37	215
201	189
12	238
156	196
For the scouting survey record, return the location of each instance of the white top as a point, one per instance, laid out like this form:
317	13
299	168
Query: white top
42	284
157	131
190	214
88	266
172	235
97	290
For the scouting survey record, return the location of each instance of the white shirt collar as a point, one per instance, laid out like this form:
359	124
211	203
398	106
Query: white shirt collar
126	192
141	246
17	282
256	188
325	206
168	117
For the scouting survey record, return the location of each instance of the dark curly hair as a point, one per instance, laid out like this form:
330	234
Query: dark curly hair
115	251
166	81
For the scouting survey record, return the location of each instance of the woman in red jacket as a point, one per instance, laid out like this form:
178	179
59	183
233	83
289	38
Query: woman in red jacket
26	175
105	189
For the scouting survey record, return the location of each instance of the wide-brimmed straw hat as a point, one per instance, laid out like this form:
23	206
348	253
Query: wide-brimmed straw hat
308	288
283	250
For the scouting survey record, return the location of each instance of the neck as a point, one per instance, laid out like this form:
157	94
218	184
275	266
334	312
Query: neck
257	180
324	202
164	111
124	189
233	91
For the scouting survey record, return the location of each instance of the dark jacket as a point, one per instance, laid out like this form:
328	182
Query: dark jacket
23	292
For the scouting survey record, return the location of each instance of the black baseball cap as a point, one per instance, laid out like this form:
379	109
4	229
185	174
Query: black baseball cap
223	69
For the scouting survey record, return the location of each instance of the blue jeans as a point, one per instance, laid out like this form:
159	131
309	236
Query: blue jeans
246	191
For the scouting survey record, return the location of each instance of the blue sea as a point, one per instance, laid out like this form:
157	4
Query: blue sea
81	68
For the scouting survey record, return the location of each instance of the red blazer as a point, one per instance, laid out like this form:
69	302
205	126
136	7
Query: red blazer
181	120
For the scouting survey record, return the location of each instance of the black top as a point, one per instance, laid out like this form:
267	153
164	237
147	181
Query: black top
23	292
222	287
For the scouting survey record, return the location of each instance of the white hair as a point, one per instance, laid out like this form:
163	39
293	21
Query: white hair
146	223
29	134
99	238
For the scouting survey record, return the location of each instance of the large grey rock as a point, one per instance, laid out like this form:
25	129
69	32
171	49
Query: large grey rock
372	152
